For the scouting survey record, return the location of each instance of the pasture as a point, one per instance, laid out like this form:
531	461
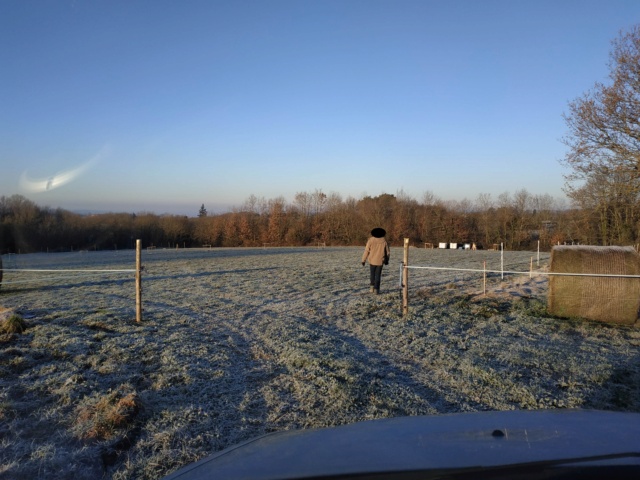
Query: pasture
236	343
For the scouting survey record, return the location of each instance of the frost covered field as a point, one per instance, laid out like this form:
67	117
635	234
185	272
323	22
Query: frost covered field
236	343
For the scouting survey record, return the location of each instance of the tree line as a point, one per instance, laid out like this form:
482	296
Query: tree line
517	220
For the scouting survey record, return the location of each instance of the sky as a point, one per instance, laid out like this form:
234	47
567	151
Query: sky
162	106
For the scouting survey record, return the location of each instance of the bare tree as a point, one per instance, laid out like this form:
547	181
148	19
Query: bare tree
604	140
231	230
303	202
404	218
521	222
429	199
484	205
318	200
176	229
277	221
251	204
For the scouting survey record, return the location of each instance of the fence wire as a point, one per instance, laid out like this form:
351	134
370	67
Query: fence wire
530	273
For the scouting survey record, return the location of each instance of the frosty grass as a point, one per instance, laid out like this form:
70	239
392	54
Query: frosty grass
236	343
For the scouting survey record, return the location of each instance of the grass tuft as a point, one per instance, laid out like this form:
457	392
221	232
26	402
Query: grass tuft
534	307
107	416
13	324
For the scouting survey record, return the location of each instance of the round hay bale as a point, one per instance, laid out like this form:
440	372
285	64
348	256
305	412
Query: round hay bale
605	299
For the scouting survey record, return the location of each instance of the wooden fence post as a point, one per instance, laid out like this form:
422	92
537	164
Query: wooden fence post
484	278
405	278
138	280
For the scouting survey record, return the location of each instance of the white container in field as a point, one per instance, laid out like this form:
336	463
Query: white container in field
453	246
443	245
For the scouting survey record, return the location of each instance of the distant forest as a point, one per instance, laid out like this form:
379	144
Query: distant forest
516	220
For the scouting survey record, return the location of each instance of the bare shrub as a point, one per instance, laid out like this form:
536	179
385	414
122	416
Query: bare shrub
13	324
108	415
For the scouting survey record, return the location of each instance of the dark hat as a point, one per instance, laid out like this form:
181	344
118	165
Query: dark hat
378	232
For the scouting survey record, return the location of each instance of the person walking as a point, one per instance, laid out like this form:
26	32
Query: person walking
378	252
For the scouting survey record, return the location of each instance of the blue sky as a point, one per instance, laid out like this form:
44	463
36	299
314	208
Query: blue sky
171	104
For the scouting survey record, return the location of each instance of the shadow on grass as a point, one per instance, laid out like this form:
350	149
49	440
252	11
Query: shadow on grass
621	391
208	274
8	287
369	362
336	378
226	252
